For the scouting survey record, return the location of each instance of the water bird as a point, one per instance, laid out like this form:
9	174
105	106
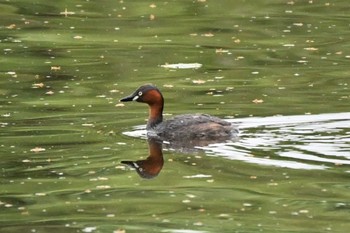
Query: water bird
184	130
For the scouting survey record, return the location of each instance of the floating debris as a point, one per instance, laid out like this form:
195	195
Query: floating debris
258	101
119	231
99	179
182	66
103	187
40	194
11	26
114	91
221	51
12	73
66	12
298	24
302	61
199	81
209	34
8	205
38	85
89	229
37	149
88	125
239	58
197	176
236	40
247	204
55	68
311	49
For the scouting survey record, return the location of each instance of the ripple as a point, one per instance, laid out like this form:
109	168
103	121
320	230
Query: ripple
311	142
298	142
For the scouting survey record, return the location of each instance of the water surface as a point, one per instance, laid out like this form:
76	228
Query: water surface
278	70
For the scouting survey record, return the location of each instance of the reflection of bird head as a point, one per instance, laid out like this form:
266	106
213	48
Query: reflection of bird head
147	168
152	165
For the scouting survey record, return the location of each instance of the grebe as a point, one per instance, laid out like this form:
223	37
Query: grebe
196	129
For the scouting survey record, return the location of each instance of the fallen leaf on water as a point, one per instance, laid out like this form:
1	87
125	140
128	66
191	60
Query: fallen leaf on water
311	49
66	12
38	85
88	125
37	149
237	41
298	24
199	81
55	68
258	101
114	91
11	26
40	194
182	66
208	34
220	51
119	231
103	187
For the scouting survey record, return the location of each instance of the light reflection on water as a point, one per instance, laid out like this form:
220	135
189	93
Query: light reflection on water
298	142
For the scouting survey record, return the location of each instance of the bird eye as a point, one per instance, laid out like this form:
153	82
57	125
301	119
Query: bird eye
140	93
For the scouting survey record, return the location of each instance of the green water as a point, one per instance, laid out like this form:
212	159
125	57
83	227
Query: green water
277	69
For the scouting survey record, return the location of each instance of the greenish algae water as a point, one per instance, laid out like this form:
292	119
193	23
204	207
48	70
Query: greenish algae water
277	69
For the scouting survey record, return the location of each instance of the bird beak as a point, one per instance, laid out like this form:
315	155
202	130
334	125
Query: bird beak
129	98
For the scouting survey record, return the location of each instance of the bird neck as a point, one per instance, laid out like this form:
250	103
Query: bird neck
155	115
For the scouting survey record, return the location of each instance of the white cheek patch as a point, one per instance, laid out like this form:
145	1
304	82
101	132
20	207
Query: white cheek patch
135	98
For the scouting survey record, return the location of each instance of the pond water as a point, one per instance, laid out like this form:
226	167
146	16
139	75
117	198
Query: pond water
279	70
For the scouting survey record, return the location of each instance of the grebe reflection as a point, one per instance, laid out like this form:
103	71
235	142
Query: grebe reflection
153	164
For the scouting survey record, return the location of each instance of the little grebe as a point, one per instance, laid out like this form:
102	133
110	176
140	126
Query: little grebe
187	128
